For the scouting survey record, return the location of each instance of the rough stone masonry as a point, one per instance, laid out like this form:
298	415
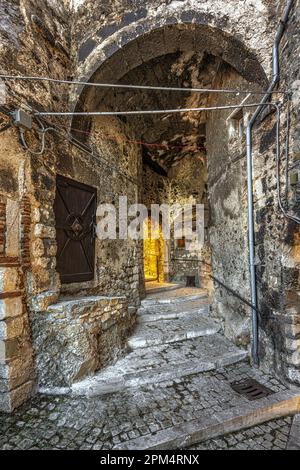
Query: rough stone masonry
53	333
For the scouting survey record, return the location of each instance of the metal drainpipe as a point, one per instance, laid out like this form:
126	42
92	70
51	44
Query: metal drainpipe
275	80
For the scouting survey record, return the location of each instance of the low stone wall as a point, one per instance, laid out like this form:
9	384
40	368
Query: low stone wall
74	338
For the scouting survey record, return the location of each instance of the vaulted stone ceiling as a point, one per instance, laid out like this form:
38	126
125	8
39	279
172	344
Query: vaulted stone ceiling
170	137
182	55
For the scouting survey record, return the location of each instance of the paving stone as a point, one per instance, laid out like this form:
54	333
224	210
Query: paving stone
263	437
181	295
294	435
158	407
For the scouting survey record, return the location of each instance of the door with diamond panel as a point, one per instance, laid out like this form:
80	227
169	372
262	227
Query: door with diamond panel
75	211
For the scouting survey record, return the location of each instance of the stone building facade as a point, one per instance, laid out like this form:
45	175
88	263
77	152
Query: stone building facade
53	333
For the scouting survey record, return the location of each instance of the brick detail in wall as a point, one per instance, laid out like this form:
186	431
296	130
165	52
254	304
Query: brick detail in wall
2	227
25	231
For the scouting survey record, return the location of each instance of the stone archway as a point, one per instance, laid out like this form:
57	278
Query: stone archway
125	50
106	33
217	60
182	55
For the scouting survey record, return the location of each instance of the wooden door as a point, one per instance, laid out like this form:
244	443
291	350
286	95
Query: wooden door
75	210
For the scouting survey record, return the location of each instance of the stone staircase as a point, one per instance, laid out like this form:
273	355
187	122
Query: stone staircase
174	337
177	354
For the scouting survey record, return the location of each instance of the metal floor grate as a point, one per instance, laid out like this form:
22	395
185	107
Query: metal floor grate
251	389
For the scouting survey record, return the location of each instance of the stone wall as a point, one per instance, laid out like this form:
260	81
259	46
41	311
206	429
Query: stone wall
34	39
74	338
188	185
227	187
153	187
277	237
37	35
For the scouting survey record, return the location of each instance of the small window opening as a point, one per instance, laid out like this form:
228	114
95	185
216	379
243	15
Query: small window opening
236	123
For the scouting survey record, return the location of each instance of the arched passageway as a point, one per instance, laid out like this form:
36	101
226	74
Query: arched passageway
186	157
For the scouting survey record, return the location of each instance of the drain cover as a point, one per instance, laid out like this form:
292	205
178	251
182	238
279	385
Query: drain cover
251	389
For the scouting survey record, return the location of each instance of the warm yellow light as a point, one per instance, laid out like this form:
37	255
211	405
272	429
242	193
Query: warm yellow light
153	255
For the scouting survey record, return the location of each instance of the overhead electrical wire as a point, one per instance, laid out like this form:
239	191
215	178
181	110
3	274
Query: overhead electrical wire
180	110
135	87
147	111
43	130
53	127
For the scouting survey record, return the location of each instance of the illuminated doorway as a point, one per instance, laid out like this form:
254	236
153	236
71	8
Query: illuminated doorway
153	253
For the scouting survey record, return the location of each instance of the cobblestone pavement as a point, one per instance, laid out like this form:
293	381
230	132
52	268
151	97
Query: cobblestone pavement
272	435
294	438
65	422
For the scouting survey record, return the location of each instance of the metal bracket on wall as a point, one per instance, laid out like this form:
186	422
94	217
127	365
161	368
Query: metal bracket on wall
22	119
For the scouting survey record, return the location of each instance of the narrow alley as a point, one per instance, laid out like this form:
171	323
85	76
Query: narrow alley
149	226
172	390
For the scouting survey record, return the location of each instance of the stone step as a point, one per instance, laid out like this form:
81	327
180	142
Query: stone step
152	333
145	316
212	424
162	288
173	300
168	311
160	363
